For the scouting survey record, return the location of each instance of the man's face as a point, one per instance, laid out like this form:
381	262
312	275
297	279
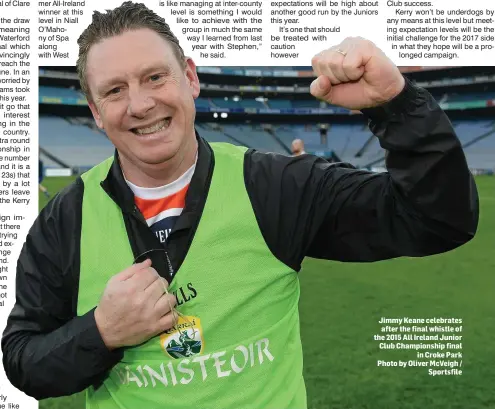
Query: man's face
297	147
142	96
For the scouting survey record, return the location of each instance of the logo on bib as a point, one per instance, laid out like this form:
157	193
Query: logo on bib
183	340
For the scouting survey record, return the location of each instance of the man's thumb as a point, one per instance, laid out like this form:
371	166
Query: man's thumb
321	87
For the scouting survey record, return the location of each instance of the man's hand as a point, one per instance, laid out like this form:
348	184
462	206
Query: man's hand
134	307
355	74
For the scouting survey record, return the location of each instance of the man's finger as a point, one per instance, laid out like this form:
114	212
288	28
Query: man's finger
337	56
143	278
156	289
352	67
321	87
355	62
315	63
327	65
132	270
166	322
165	304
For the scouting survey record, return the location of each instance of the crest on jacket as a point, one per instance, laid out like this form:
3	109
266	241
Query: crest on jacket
185	339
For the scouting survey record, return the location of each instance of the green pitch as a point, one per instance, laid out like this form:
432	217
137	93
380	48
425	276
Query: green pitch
342	303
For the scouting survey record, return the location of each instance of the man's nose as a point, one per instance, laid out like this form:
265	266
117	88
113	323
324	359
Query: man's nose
140	102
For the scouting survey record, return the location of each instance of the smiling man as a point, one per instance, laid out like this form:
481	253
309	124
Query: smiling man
166	276
143	95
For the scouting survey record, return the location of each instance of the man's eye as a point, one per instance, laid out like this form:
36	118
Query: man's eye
155	77
115	90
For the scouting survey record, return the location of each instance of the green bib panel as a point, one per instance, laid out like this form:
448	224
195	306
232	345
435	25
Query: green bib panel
239	346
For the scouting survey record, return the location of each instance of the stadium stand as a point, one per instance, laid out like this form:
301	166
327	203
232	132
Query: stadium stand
76	143
59	92
214	133
267	108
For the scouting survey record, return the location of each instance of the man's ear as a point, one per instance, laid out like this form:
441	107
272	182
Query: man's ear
192	77
96	114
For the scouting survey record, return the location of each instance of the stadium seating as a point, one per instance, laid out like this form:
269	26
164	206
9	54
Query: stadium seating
279	104
77	145
224	103
470	96
57	92
81	146
77	142
251	103
202	103
467	130
246	102
480	154
310	134
212	133
253	136
309	103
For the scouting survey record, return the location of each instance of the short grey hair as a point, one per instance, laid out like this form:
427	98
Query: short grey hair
129	16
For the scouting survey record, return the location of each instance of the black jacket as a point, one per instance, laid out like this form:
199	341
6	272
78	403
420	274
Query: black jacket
426	203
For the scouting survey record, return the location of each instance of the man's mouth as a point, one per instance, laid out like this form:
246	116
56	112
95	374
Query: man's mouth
148	130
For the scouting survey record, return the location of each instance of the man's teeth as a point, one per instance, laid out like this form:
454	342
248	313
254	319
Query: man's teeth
152	129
